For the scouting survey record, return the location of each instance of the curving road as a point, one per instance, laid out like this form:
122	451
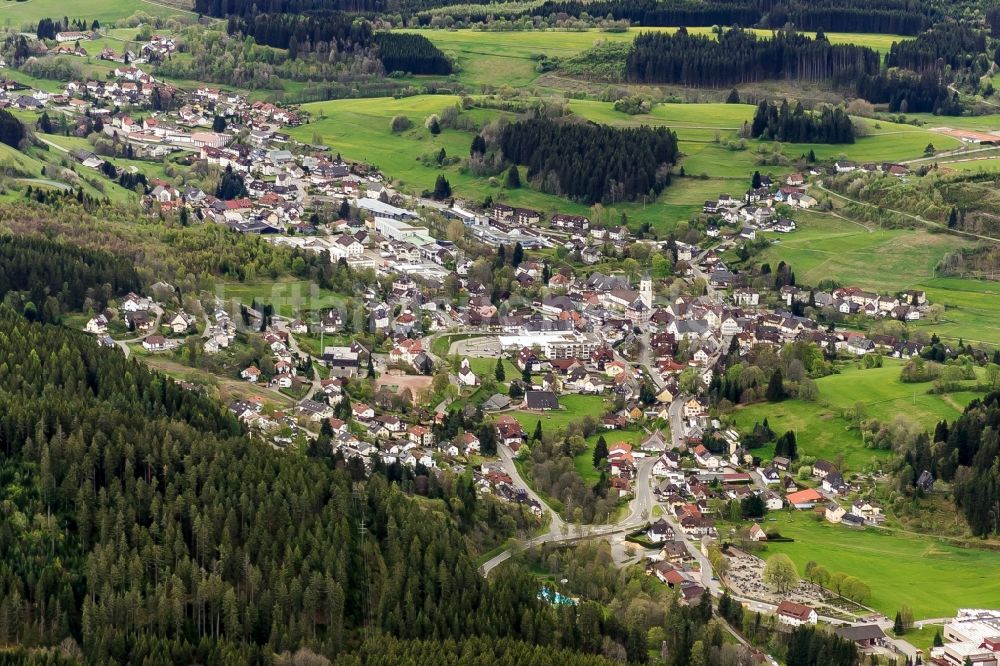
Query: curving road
640	508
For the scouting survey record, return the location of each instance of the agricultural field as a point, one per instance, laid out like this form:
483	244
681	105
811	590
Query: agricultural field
823	431
931	576
359	130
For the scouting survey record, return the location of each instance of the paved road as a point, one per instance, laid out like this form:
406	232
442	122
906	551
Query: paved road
124	344
559	531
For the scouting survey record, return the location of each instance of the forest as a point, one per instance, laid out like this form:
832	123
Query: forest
738	56
591	163
954	45
47	278
339	32
965	453
902	91
140	523
415	54
772	122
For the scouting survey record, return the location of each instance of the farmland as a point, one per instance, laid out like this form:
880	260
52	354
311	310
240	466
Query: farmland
933	577
828	247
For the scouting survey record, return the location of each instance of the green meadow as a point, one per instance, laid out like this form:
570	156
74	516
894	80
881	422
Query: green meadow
574	408
359	130
829	247
932	577
823	431
17	14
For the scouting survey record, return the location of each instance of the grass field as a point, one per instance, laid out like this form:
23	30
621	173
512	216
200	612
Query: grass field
932	577
822	430
496	59
972	308
288	297
359	130
16	14
827	247
575	407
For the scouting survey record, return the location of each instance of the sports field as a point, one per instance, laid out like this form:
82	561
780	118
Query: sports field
932	577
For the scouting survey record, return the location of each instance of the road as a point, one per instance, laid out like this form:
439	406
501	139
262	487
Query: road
559	531
124	344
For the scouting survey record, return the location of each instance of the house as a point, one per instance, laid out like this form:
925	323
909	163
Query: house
97	325
541	400
804	499
834	512
822	468
655	442
420	435
757	533
862	635
867	510
496	403
665	463
362	412
180	323
154	343
925	481
251	374
794	614
660	531
470	443
509	431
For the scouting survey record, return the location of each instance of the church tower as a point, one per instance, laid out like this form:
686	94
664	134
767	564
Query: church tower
646	291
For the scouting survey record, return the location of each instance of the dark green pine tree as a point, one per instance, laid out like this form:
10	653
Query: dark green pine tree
513	178
499	372
775	387
600	451
537	435
897	625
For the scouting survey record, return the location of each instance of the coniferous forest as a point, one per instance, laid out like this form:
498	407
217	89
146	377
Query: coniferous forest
591	163
140	522
738	56
773	122
341	32
57	277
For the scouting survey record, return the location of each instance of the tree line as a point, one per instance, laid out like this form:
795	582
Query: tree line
739	56
964	453
898	17
772	122
903	91
591	163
